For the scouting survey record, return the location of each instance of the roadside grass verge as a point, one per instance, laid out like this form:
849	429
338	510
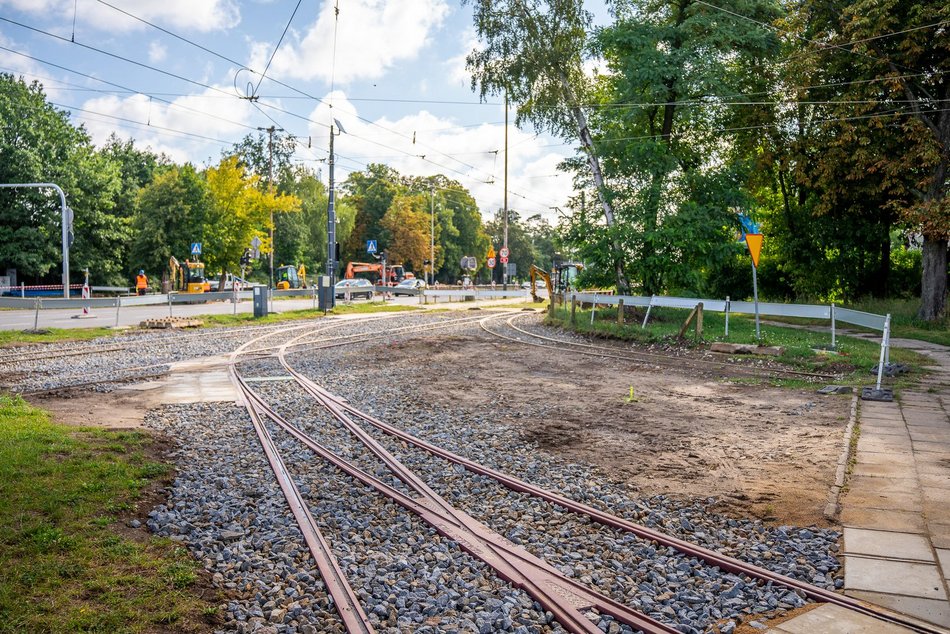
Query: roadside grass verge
67	564
804	350
52	335
244	319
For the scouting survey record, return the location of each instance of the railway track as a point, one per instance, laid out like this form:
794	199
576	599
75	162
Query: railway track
570	602
527	337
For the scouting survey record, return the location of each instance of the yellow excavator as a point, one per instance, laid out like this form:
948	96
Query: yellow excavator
558	280
188	277
290	277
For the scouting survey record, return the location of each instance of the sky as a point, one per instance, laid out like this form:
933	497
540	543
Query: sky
174	76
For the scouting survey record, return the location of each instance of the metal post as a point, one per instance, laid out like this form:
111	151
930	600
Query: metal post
234	294
755	294
169	303
331	226
593	309
884	344
573	310
504	280
22	290
67	222
36	314
431	234
118	305
647	316
833	343
887	332
727	316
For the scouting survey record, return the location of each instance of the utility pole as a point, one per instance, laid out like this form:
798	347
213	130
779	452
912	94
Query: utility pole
504	281
67	218
431	233
331	220
270	187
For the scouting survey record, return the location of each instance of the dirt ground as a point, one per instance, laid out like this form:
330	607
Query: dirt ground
762	451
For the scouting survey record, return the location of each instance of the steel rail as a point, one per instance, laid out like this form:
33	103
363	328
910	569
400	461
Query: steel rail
632	355
344	598
710	557
562	596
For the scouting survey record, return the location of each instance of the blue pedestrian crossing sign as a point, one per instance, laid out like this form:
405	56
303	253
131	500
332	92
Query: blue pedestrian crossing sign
196	248
371	246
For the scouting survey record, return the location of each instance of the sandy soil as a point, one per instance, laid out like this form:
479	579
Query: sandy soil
762	451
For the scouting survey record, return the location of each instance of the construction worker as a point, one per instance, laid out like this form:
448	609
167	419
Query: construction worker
141	283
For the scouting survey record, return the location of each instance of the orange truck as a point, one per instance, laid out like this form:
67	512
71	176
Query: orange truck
394	272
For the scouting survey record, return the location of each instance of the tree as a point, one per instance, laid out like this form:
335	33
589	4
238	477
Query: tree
534	56
239	212
896	57
38	144
673	65
371	193
407	224
171	213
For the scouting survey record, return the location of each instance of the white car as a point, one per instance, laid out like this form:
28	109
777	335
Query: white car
409	286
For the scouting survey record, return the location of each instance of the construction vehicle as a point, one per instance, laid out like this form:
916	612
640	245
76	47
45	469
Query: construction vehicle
395	273
188	277
290	277
560	279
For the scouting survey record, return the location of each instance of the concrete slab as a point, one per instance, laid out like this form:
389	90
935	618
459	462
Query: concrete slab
896	545
893	577
875	429
933	447
930	610
884	470
834	619
943	557
901	521
883	458
884	444
929	434
939	534
933	463
935	480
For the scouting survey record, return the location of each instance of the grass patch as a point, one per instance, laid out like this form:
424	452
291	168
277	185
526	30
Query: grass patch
854	357
64	567
52	335
904	322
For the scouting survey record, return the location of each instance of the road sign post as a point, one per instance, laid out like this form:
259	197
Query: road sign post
754	242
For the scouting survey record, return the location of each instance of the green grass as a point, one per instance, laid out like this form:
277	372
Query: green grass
52	335
854	357
904	322
64	566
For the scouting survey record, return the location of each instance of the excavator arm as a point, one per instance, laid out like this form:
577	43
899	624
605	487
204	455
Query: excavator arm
175	268
544	275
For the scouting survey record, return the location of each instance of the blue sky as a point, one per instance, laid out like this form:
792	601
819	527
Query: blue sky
396	82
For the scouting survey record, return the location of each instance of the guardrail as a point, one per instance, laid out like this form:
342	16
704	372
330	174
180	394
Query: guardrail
808	311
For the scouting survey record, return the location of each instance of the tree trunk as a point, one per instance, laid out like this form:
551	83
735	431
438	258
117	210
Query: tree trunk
623	286
933	286
884	272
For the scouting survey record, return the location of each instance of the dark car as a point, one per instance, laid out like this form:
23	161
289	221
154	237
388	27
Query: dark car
410	286
356	287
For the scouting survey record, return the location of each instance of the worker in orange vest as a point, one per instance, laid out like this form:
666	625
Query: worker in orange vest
141	283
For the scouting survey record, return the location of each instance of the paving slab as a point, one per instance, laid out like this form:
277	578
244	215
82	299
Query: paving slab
875	429
929	434
895	545
935	480
933	447
834	619
939	534
883	458
930	610
884	470
884	444
901	521
943	558
893	577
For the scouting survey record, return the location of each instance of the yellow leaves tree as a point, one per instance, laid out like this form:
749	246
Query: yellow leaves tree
407	221
239	212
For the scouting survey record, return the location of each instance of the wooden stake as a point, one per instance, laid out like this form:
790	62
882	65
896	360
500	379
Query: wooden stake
620	312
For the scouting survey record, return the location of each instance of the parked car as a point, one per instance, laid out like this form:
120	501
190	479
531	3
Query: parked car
356	287
229	282
409	286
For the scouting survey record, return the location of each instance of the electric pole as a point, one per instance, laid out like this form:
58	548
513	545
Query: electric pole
331	220
270	188
504	280
431	233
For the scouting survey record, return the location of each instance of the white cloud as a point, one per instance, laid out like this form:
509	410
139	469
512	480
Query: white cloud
372	36
455	66
168	127
474	156
192	15
156	52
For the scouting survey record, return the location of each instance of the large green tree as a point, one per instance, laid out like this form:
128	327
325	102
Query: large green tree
533	53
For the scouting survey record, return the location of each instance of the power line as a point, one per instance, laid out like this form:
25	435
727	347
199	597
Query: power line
264	74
